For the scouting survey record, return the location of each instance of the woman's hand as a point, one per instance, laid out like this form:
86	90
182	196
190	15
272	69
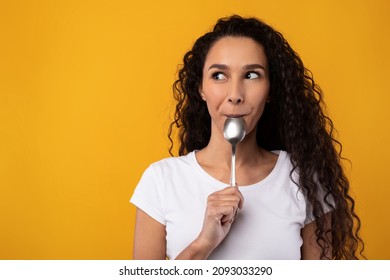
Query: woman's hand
220	213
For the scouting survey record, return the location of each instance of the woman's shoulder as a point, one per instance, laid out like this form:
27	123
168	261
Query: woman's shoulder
167	168
175	162
284	165
283	157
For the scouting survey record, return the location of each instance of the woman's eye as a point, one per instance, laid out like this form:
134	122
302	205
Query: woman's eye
218	76
252	75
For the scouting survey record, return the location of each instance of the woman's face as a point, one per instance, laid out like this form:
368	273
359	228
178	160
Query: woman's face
235	81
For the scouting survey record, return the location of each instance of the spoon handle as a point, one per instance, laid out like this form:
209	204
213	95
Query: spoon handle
233	167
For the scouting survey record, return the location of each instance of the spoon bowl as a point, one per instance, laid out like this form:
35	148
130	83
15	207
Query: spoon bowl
234	132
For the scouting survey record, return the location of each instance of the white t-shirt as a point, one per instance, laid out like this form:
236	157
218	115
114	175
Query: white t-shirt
174	192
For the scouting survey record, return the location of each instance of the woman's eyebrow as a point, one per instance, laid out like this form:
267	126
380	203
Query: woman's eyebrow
246	67
219	66
253	66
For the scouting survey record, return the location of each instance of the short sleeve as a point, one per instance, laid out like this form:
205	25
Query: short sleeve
147	195
309	209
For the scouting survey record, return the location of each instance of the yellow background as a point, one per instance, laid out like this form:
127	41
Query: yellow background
85	103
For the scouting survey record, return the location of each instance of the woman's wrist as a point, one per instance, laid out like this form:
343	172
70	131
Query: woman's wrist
199	249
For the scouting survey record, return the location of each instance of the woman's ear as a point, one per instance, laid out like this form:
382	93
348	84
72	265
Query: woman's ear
202	94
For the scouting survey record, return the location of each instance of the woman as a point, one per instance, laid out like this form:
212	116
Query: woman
292	198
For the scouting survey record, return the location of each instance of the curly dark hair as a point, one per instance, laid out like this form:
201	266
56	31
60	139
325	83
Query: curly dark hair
293	120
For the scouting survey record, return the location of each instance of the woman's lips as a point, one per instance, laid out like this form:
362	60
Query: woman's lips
235	116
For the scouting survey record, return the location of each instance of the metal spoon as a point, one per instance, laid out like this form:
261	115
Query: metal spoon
234	131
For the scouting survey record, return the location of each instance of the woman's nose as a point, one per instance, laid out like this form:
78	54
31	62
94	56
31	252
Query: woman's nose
236	93
234	99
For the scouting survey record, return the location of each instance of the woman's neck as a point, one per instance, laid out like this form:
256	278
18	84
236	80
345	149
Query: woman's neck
218	152
252	162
